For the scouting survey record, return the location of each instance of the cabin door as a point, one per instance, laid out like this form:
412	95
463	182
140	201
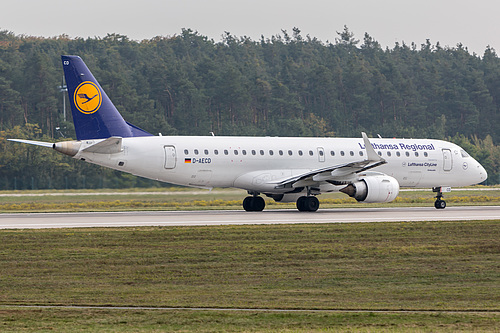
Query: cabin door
170	157
447	160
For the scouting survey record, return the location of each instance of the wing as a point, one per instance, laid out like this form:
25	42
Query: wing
336	174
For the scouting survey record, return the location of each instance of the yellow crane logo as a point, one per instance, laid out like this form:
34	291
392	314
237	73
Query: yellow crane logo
87	97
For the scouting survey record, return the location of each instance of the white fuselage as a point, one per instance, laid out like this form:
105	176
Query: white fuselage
251	163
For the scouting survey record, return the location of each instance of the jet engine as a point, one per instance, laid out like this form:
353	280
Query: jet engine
379	188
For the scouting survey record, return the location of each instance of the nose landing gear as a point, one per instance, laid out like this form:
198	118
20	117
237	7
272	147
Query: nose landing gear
440	203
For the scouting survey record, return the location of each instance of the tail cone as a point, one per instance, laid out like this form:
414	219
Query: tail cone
70	148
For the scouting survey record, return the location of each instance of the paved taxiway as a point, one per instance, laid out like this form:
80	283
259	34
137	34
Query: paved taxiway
235	217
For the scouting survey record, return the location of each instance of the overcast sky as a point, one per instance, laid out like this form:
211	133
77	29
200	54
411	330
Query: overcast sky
475	24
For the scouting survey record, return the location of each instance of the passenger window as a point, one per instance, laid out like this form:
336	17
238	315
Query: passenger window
361	153
351	153
253	152
206	151
321	153
389	154
407	154
235	152
244	152
216	152
311	153
379	153
196	151
271	152
342	153
262	152
290	153
186	152
300	153
398	154
416	154
425	154
226	152
281	152
332	153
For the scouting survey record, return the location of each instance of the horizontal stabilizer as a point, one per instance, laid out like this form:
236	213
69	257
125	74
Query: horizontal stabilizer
111	145
36	143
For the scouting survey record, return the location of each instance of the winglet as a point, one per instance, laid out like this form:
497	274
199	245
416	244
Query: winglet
370	152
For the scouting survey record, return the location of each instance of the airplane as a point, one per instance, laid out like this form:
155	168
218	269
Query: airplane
287	169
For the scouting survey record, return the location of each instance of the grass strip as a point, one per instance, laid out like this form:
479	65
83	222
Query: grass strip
412	266
419	266
91	320
220	199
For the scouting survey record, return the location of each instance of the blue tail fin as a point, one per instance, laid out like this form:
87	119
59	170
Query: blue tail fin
94	114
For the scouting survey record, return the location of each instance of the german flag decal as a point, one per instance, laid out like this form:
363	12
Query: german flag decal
187	160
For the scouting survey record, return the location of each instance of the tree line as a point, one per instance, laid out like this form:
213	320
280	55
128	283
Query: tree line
286	85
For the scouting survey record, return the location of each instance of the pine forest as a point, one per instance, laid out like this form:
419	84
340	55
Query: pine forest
286	85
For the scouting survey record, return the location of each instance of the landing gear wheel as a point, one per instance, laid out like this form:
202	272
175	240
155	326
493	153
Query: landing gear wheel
254	204
307	204
300	204
247	204
312	204
258	204
440	204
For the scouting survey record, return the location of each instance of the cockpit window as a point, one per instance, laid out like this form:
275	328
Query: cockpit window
464	153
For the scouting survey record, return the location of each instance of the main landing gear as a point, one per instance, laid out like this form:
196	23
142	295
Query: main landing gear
307	204
439	203
254	204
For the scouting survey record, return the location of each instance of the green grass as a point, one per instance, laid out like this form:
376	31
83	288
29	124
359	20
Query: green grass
183	199
90	320
385	266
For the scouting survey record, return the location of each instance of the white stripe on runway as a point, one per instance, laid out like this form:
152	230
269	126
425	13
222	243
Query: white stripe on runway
240	217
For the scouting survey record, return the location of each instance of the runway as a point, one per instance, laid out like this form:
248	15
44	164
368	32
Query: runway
240	217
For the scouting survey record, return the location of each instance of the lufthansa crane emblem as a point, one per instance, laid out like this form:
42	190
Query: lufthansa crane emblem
87	97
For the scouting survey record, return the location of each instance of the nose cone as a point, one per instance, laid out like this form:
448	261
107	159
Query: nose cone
482	173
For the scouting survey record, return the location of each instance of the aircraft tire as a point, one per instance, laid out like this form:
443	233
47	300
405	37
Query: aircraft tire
301	205
247	204
254	204
312	204
258	204
307	204
440	204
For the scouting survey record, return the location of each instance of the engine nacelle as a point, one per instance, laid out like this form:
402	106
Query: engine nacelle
379	188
